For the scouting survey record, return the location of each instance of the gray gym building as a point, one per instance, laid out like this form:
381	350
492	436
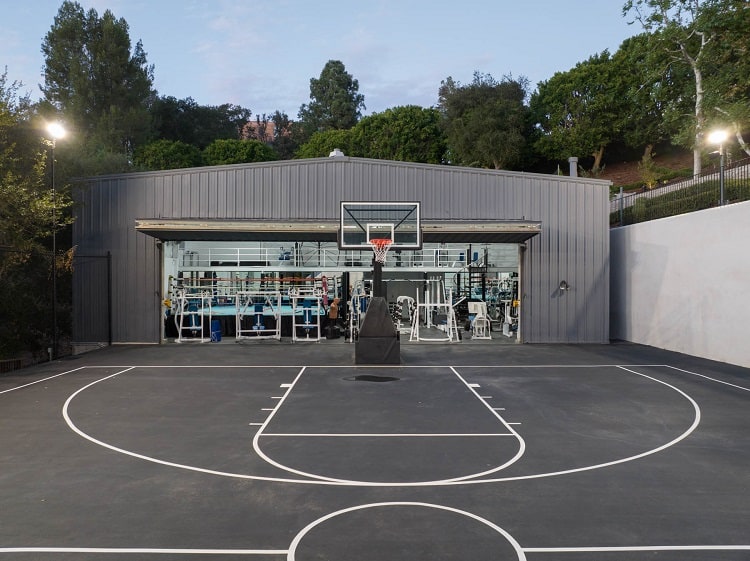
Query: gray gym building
534	247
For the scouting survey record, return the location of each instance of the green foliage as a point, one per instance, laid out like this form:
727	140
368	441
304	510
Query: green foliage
227	151
648	171
485	121
727	66
657	92
284	138
709	39
406	134
335	101
167	154
323	143
690	199
185	121
26	222
92	79
578	111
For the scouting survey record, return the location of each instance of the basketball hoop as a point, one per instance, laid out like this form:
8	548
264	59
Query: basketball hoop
380	247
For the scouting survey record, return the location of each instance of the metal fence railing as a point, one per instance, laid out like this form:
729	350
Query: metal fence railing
683	196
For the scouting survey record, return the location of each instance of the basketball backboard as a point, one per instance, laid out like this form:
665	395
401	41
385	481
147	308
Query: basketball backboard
363	221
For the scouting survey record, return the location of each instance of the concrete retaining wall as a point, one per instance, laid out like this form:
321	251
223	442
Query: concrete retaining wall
683	283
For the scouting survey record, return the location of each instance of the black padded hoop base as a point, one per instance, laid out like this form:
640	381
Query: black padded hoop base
378	341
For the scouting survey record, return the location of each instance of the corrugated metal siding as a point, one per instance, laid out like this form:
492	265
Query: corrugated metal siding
574	244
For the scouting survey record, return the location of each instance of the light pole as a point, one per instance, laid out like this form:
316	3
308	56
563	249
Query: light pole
56	132
720	137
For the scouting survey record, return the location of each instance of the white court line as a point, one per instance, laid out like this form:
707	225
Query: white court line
390	434
132	454
374	366
42	380
298	538
636	548
143	550
685	434
339	481
509	366
709	378
521	441
439	483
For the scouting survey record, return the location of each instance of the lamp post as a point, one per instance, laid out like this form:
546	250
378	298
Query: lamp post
56	132
720	137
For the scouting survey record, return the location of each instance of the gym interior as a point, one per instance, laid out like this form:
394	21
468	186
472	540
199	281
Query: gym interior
309	291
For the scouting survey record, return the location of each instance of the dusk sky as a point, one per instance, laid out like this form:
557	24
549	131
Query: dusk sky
261	54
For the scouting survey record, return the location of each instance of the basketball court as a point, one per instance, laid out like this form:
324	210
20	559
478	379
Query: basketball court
290	452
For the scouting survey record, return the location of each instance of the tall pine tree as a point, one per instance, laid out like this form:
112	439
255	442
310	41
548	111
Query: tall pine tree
96	84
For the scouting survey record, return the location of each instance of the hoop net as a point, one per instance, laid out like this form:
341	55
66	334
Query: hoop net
380	247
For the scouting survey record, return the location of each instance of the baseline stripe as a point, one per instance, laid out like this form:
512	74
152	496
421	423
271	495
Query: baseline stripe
143	550
42	380
637	548
386	435
709	378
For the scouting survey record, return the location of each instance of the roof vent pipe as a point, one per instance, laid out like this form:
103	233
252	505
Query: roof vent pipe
337	153
573	161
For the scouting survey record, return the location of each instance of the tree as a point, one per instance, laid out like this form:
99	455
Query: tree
284	136
485	121
578	111
656	91
231	151
321	144
186	121
408	134
93	80
167	154
335	101
26	204
687	30
728	66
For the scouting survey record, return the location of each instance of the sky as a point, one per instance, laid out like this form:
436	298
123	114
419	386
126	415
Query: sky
261	54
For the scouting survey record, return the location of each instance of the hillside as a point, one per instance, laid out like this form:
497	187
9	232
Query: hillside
627	173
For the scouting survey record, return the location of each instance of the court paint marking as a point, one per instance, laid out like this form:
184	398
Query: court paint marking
521	441
389	434
685	434
42	380
688	432
143	550
709	378
637	548
132	454
269	460
298	538
552	366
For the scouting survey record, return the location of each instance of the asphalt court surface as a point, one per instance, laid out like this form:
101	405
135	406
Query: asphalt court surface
290	452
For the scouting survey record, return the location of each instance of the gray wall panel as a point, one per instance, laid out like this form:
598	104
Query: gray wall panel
574	243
